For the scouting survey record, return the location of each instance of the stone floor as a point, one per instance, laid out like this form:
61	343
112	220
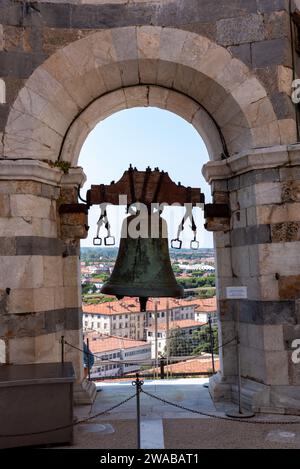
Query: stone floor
164	426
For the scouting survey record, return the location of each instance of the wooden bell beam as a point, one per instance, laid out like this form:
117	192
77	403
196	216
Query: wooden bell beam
146	187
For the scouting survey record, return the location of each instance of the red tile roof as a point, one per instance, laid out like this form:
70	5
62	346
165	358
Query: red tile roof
131	305
99	344
195	365
180	324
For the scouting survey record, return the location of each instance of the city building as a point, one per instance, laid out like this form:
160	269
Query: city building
206	308
123	318
196	267
159	338
118	318
115	356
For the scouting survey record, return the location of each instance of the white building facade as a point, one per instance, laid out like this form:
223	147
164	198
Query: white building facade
115	357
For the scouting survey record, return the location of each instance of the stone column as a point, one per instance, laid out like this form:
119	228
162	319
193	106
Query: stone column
40	295
262	251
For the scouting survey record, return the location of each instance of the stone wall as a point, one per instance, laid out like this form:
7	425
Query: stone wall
257	32
261	251
227	67
39	279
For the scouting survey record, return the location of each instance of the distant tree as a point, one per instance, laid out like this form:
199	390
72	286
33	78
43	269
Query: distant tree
208	293
202	338
180	344
87	287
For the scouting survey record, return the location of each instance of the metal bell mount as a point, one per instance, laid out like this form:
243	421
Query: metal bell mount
103	220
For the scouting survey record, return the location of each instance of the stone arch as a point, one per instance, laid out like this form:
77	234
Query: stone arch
78	74
141	96
260	249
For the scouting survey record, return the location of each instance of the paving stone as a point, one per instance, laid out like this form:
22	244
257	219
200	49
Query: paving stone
267	6
277	25
16	39
259	234
240	30
1	37
242	52
273	52
4	205
260	312
208	30
204	12
19	64
258	177
7	246
291	191
38	246
10	13
58	15
285	232
289	287
283	105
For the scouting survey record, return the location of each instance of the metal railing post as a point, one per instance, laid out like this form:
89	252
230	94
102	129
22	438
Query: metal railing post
240	413
156	339
211	344
162	368
138	384
88	359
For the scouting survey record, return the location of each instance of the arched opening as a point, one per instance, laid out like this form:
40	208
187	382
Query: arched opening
157	138
109	60
142	137
61	102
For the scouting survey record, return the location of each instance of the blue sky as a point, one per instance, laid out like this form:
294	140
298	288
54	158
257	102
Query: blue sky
145	136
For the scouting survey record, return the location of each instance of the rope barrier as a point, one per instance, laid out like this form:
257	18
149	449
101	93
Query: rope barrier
120	362
165	401
219	417
227	343
133	362
64	427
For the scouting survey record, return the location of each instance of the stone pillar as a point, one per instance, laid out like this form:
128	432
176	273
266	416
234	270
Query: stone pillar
262	251
40	295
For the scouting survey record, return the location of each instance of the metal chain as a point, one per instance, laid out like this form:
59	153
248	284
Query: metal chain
218	417
133	362
72	424
227	343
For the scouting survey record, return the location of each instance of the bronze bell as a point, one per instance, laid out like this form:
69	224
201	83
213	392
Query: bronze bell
143	267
